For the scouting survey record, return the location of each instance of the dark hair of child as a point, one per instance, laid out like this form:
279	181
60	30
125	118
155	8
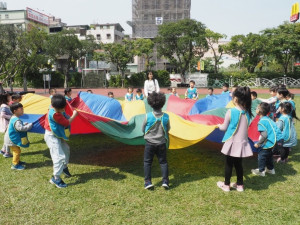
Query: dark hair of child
253	93
169	89
243	95
58	101
156	100
282	86
16	97
264	108
283	91
130	88
273	89
290	95
210	88
15	106
110	93
138	90
50	90
3	98
288	109
67	90
226	85
191	81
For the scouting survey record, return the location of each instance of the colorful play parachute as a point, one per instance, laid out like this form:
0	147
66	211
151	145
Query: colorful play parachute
191	121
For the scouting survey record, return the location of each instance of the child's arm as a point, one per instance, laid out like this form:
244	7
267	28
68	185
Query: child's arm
60	119
279	124
144	125
186	93
262	138
196	95
225	125
269	101
22	127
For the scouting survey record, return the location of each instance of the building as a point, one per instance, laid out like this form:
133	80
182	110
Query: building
106	33
55	24
80	30
23	19
147	15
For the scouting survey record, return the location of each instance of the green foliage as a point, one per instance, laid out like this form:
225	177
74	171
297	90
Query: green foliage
116	81
75	79
182	41
138	79
144	48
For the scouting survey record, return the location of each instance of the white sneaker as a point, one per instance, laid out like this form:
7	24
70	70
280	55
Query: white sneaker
270	171
239	188
224	187
256	172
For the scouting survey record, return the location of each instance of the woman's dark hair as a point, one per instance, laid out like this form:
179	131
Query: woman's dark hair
67	90
253	93
273	89
264	108
287	108
210	88
138	90
15	106
148	75
58	101
156	100
283	91
243	95
3	98
16	97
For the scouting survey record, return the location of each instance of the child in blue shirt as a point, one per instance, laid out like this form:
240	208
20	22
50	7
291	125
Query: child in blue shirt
191	92
225	88
139	95
210	91
68	94
272	101
174	92
270	139
286	125
282	94
129	95
156	128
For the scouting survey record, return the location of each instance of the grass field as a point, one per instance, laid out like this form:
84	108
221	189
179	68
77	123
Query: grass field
107	187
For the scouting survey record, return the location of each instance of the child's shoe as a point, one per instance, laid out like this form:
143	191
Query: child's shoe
239	188
148	185
256	172
2	152
165	184
66	172
7	155
22	163
58	182
17	167
272	171
222	185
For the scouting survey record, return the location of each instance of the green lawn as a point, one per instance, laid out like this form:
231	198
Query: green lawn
107	187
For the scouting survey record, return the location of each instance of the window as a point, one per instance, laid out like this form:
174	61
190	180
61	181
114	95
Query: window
6	16
98	37
108	36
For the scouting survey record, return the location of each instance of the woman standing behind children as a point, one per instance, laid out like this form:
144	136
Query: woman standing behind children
286	125
236	146
5	115
129	95
139	95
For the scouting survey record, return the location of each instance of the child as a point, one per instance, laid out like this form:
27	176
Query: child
191	92
139	95
282	94
290	99
16	135
174	92
210	91
270	139
129	95
156	127
236	146
57	132
272	101
286	125
52	91
90	91
225	88
15	98
169	90
68	94
253	95
110	94
5	115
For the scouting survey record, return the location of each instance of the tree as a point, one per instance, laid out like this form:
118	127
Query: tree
181	42
213	39
283	43
144	48
120	54
65	44
250	49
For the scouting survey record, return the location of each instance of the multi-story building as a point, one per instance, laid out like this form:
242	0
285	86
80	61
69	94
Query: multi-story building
80	30
23	19
55	24
106	33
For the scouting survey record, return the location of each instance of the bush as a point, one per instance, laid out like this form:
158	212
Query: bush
138	79
116	81
75	79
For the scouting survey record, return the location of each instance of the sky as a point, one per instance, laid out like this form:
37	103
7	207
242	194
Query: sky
228	17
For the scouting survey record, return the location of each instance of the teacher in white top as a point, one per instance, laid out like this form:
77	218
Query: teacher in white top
151	85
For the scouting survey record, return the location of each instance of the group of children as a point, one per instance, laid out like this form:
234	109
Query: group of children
276	127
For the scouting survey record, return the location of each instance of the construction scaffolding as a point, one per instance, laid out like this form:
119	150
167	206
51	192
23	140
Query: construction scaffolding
147	15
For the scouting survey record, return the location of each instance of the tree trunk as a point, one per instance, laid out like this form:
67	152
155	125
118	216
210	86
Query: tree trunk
216	67
11	84
123	78
24	82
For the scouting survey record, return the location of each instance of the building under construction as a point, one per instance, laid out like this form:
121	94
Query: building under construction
147	15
